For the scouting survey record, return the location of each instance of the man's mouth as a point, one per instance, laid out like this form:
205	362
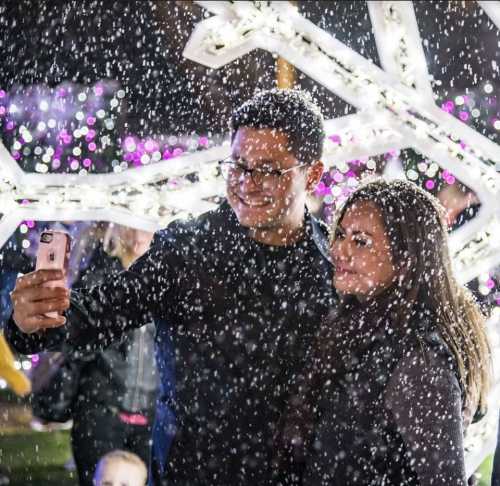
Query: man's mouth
254	203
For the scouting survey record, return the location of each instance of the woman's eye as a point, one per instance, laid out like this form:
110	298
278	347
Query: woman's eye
361	242
339	235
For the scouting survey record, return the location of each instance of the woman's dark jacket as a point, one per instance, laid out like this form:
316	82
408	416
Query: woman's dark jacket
388	410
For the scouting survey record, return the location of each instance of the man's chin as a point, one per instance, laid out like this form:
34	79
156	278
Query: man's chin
253	221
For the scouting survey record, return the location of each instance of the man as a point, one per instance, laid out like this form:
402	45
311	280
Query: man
242	291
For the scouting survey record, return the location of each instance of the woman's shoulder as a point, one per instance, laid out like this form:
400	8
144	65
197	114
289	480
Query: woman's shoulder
425	346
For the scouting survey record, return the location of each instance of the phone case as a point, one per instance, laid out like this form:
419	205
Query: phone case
53	254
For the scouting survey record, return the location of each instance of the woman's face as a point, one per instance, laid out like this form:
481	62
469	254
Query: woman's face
361	252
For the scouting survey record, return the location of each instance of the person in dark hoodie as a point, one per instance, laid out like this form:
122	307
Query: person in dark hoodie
401	367
115	403
239	290
110	394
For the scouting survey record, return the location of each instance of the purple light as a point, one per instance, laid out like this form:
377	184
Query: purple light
150	146
91	120
490	283
177	151
335	138
92	146
448	106
87	163
430	184
10	125
98	90
2	110
61	92
30	224
2	93
203	141
16	155
463	115
90	136
167	154
56	163
338	177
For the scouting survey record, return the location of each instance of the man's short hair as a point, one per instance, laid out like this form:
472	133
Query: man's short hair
291	112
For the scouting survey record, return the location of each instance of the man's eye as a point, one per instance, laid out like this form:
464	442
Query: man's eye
265	170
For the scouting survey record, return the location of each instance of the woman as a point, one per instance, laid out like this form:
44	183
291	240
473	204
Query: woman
401	367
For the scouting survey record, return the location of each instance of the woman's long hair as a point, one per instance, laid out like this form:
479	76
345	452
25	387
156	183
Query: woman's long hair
415	225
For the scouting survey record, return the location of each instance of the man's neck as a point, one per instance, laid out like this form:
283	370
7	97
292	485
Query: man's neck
277	237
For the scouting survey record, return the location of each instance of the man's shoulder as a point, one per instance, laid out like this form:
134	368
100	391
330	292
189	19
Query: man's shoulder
211	224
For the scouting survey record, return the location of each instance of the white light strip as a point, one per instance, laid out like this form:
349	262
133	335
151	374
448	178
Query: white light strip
492	10
395	26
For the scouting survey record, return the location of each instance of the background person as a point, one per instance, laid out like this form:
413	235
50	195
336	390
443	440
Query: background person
120	468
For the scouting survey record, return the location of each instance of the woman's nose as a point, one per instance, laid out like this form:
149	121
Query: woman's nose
341	250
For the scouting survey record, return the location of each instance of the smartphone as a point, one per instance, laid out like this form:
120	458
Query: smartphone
53	254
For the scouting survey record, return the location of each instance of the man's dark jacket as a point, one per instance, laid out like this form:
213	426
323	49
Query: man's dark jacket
241	316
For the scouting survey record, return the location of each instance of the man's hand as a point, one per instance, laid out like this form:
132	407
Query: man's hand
32	300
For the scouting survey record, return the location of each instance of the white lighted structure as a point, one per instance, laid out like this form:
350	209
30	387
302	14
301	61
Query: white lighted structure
396	110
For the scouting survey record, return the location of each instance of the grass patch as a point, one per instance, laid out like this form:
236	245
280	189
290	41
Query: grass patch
36	458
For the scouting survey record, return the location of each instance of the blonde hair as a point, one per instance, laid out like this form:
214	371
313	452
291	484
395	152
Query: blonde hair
124	456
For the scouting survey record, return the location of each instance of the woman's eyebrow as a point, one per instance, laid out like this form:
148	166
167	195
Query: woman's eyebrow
362	232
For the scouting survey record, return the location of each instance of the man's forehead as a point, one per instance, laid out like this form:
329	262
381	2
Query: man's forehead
260	141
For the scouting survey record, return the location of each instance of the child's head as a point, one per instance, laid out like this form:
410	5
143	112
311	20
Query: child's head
120	468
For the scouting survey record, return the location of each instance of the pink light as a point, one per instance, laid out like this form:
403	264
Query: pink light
56	163
30	224
203	141
2	93
167	154
87	163
490	283
177	151
92	146
98	90
10	125
2	110
450	180
91	120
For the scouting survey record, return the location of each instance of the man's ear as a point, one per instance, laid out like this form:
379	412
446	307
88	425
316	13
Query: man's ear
314	173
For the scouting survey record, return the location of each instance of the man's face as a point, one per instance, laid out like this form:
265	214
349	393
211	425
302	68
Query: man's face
269	205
